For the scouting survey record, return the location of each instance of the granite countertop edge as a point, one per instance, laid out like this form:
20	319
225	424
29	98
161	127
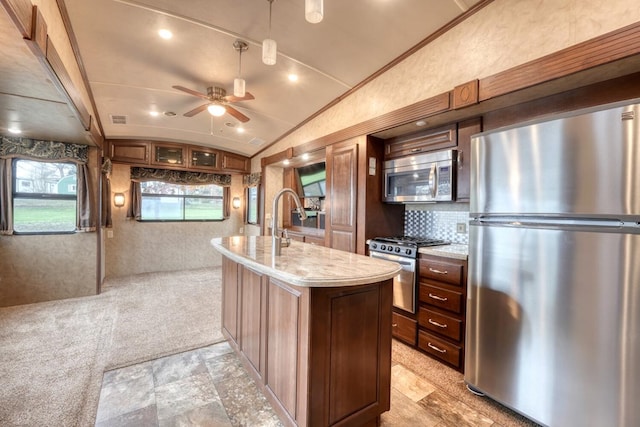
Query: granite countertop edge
455	251
318	280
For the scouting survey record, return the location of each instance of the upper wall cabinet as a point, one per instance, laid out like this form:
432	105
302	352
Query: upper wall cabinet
176	156
419	142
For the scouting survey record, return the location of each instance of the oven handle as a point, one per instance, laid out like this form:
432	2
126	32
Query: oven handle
390	257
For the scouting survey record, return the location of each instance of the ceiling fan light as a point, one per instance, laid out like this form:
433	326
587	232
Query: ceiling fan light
269	51
216	110
313	10
239	87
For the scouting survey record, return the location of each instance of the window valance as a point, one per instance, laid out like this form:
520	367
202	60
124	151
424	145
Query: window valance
179	177
35	149
251	180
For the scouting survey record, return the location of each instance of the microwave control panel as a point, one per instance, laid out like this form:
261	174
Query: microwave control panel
444	185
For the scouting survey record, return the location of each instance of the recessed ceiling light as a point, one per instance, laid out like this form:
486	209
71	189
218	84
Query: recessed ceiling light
305	156
165	34
285	162
421	123
154	113
169	113
240	130
15	130
292	77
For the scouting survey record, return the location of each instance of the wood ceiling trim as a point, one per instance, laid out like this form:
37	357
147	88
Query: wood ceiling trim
604	49
21	13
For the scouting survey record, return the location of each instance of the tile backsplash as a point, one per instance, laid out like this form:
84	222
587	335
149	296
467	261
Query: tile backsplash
437	222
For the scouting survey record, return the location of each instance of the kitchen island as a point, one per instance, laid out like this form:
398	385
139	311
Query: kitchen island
312	326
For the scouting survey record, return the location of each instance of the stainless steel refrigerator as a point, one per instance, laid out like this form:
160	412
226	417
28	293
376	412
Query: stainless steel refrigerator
553	309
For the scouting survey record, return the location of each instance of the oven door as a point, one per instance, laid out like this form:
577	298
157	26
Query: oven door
404	284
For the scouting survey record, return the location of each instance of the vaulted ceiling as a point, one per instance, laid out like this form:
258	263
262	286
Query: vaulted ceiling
131	70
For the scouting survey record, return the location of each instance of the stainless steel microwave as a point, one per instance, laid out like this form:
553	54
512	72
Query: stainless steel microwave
427	177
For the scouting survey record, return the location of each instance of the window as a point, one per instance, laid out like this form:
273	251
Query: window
44	197
162	201
252	205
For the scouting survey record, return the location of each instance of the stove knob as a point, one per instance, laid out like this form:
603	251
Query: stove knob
390	248
383	247
398	249
373	245
407	251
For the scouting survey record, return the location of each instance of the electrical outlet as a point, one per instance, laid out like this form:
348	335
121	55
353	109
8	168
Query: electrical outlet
241	231
109	234
461	227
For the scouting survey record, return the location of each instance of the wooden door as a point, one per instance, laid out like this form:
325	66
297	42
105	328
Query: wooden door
342	182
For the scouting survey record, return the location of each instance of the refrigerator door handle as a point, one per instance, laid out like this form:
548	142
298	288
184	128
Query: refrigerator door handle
530	221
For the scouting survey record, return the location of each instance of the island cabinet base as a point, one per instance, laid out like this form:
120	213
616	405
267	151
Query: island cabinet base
321	355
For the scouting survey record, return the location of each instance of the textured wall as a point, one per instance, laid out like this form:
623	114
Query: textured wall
138	247
502	35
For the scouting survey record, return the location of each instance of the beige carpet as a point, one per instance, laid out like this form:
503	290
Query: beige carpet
53	354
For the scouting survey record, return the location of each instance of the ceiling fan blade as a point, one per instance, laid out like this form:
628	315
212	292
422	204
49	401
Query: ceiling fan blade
231	98
191	92
196	110
237	114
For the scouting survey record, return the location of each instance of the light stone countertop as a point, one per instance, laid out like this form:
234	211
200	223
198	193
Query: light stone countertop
456	251
303	264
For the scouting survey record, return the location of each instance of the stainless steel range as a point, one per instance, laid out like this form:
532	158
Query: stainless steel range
404	251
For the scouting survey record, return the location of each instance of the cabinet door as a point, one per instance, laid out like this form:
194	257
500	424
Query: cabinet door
131	152
202	158
235	162
422	141
168	155
230	288
251	318
342	182
465	130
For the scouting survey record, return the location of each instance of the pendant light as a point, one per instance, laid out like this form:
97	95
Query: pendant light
313	10
269	46
238	82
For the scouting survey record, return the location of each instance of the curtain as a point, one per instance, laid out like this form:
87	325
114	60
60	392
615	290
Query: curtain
226	202
6	212
179	177
85	218
251	180
135	207
105	187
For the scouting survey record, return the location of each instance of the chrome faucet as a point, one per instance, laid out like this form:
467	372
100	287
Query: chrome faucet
277	241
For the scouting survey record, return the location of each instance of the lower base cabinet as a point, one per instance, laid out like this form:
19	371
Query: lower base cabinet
322	356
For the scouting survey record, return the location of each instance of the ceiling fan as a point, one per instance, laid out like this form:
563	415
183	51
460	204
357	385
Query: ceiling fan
218	102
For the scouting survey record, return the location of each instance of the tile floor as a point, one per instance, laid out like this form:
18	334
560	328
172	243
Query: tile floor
210	387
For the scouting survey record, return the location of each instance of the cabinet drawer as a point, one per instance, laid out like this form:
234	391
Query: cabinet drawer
442	271
439	348
440	297
441	324
404	328
421	141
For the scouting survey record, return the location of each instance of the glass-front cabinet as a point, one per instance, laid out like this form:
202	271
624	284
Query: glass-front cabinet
171	155
203	158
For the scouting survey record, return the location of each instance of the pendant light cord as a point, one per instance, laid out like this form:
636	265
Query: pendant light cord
270	4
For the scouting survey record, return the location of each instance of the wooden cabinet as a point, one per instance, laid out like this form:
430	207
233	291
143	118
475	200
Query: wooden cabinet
320	355
203	158
176	156
404	328
168	155
354	208
441	312
307	235
130	152
422	141
463	162
235	162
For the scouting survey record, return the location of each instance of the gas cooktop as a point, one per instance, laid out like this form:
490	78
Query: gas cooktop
411	240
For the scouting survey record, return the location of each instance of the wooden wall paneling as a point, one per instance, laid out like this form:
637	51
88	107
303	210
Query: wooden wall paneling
607	48
39	35
283	336
21	13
